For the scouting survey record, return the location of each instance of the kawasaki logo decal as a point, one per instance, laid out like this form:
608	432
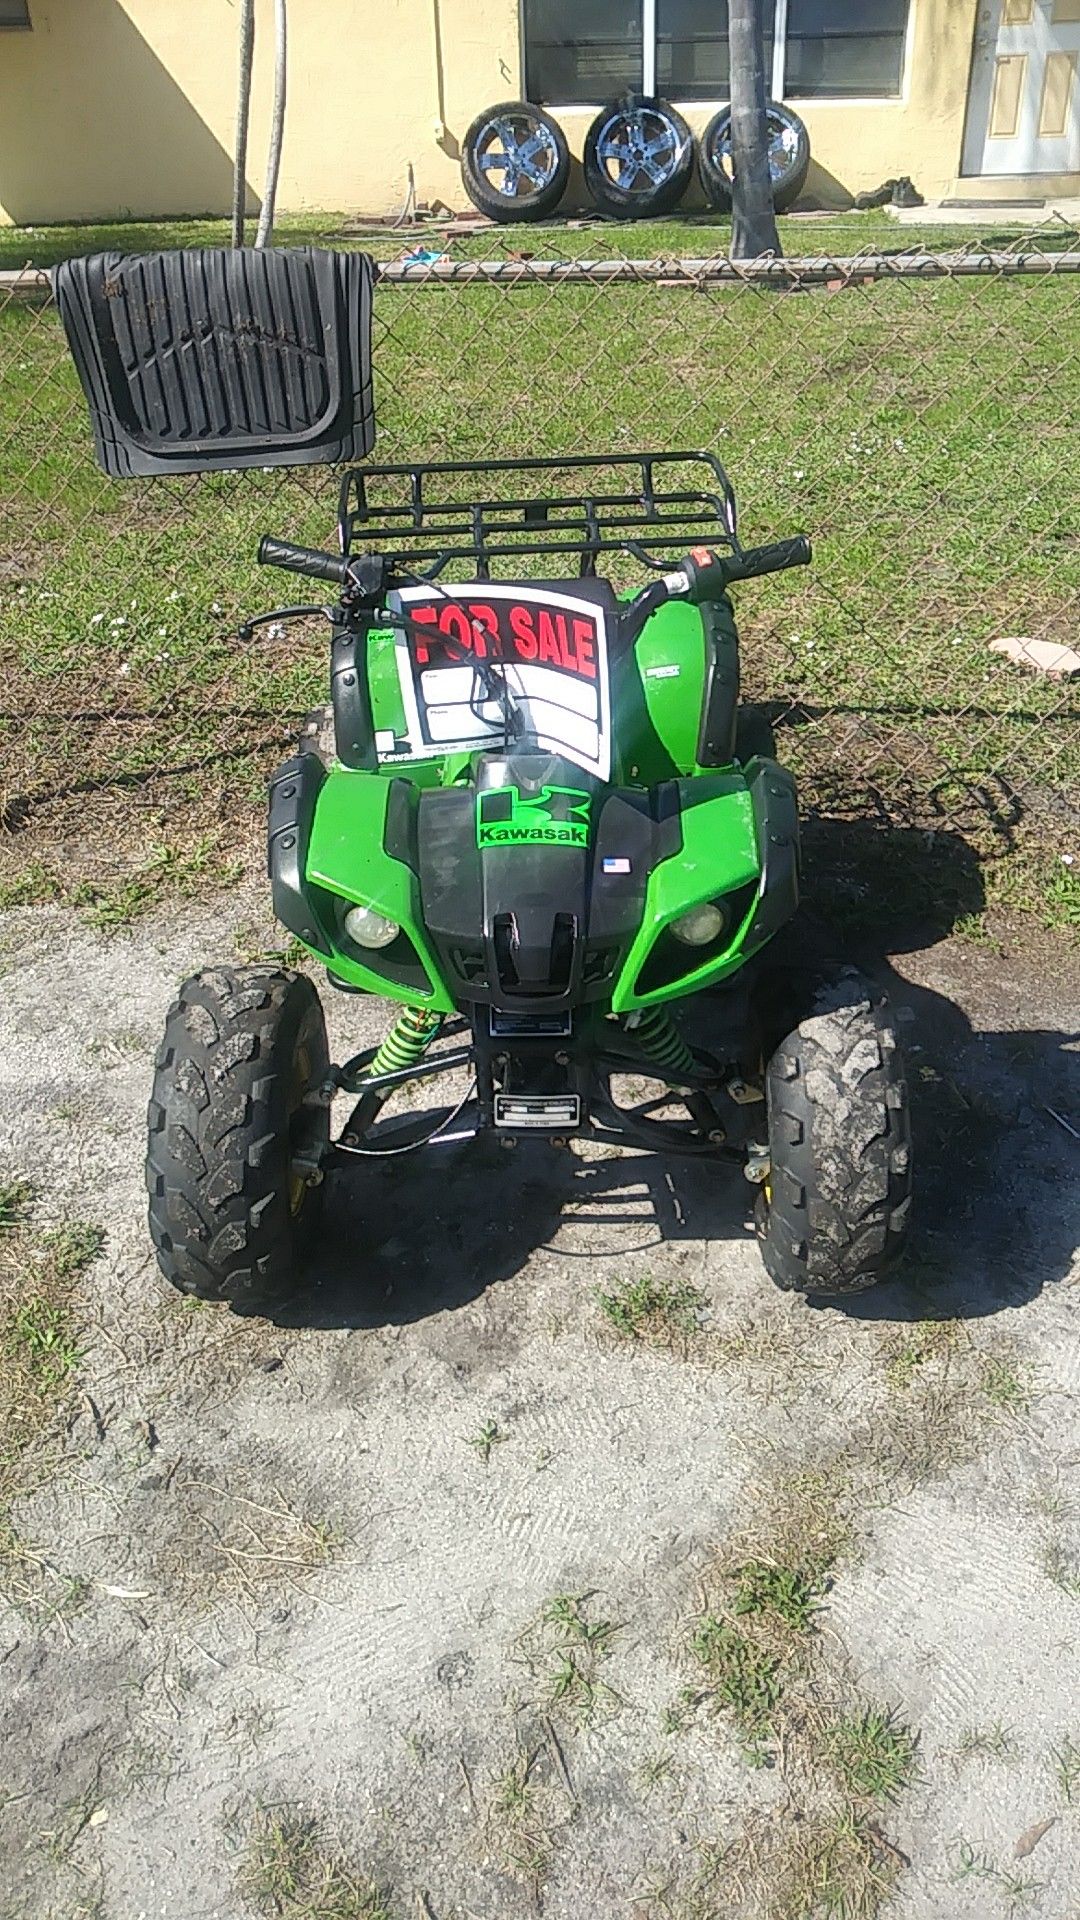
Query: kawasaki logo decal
554	817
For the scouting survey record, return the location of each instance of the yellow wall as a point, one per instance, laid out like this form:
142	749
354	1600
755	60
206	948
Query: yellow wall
112	107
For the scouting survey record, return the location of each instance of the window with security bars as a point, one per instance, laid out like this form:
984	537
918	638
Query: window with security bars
844	49
579	51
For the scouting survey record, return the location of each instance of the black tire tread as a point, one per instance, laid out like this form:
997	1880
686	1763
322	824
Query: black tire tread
840	1144
218	1140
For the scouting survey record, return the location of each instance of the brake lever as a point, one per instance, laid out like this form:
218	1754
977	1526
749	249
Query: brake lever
247	628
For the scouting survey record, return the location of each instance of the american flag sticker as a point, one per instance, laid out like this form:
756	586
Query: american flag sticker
617	865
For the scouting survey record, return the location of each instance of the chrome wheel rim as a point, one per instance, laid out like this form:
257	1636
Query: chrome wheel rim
783	147
516	156
638	151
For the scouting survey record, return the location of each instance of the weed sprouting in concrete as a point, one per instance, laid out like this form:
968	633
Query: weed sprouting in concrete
289	1870
873	1753
653	1312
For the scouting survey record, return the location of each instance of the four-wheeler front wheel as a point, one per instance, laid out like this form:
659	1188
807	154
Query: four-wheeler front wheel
515	162
789	158
639	158
232	1144
832	1216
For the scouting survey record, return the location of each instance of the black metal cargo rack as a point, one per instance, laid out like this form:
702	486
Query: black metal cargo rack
430	515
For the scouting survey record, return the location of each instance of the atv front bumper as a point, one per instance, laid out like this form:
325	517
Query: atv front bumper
555	929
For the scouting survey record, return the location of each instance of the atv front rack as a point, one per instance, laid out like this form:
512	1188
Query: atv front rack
430	517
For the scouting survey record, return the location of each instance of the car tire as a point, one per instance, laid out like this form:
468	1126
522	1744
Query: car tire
832	1217
787	135
528	148
231	1216
641	137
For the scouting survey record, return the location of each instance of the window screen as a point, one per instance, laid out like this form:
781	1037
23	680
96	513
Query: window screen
14	13
840	49
581	49
692	49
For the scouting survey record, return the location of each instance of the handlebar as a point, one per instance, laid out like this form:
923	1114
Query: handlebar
703	575
753	562
706	575
307	560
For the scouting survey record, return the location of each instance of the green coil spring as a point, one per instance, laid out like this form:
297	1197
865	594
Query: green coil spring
662	1041
408	1040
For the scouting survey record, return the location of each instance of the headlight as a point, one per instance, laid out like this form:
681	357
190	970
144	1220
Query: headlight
699	927
370	929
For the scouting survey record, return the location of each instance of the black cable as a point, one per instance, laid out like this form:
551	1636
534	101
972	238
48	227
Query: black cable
497	687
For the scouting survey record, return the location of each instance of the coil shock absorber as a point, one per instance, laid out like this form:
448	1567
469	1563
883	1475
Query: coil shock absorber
405	1046
407	1041
658	1036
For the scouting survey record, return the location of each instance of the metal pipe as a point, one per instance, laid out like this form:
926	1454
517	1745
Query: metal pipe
243	109
265	231
33	283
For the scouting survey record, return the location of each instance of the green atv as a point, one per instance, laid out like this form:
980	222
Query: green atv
536	818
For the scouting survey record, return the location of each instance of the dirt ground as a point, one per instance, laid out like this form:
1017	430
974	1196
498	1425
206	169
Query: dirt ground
428	1558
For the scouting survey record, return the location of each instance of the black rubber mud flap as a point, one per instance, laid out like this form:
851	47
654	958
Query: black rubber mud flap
206	358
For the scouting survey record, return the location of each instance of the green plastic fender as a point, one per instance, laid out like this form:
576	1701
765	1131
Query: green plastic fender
661	693
346	856
719	854
670	659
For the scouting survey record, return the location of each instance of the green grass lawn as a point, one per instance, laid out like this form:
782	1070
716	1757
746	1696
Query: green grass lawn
925	434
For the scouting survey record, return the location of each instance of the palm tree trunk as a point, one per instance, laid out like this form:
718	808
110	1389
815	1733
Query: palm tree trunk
753	220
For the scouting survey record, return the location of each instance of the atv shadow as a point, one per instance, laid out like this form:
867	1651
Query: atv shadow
998	1177
431	1236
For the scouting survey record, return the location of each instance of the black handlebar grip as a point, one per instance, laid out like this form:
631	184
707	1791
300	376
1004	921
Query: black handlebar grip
307	560
755	561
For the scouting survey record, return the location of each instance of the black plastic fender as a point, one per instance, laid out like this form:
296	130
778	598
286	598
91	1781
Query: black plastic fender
776	818
294	794
720	702
354	725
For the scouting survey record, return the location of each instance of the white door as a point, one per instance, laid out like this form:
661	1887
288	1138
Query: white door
1024	103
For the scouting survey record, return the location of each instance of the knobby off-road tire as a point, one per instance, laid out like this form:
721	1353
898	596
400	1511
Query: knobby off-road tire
229	1215
834	1216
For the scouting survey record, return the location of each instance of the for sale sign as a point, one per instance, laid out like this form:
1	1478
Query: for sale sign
548	648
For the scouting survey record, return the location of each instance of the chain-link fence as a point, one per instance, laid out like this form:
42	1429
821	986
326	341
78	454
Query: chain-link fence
918	414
